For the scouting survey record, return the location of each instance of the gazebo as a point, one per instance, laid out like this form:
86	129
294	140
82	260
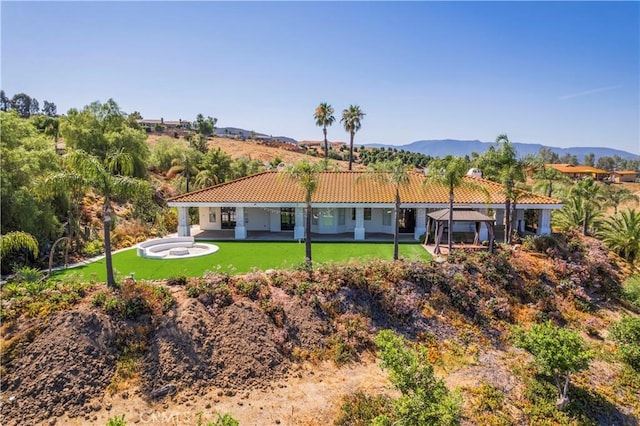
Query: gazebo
441	217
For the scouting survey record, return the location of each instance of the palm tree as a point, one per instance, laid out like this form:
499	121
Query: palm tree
97	175
548	180
324	117
306	174
205	178
392	173
351	119
583	207
450	174
621	233
185	165
618	196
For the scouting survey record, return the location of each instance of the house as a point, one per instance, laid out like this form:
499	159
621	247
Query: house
345	202
580	172
168	125
624	176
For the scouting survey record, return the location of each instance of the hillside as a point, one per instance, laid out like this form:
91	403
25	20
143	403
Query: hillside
283	347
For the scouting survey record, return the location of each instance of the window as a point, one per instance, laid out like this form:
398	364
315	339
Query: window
386	217
341	217
367	214
314	216
212	215
287	218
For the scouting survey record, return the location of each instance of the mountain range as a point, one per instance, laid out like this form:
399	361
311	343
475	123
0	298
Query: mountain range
443	147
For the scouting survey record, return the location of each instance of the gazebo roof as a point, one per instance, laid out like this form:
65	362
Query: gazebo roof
460	216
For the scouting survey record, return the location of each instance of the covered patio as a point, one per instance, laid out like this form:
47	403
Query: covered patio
439	220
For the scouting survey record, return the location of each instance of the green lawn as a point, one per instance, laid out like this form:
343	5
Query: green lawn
238	257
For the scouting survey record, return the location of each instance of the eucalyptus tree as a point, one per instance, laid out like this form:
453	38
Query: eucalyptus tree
306	175
324	117
393	173
621	233
103	130
352	121
98	175
26	155
449	172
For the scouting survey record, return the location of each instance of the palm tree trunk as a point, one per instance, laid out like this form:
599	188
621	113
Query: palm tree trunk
307	234
507	220
396	232
106	221
326	143
450	240
351	150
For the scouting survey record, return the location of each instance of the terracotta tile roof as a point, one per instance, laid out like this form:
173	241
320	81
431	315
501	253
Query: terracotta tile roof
569	168
349	187
625	172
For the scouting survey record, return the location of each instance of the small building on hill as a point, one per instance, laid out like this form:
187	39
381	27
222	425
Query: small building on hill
348	203
624	176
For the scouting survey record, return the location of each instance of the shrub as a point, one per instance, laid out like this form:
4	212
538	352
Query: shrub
28	274
360	409
425	399
626	334
631	291
93	248
116	421
557	352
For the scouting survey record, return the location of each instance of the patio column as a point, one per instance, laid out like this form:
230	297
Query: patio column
484	228
358	231
544	222
421	223
184	230
241	231
298	229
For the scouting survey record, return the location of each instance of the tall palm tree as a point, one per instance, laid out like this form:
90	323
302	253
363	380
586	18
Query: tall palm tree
391	173
450	174
621	233
324	117
97	175
306	174
351	119
618	196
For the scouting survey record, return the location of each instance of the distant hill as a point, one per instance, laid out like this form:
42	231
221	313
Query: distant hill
441	148
235	132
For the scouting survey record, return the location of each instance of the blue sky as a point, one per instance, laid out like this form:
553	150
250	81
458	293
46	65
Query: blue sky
556	73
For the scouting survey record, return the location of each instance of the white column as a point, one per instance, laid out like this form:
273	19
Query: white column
298	229
358	231
421	223
241	231
484	233
544	222
184	230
